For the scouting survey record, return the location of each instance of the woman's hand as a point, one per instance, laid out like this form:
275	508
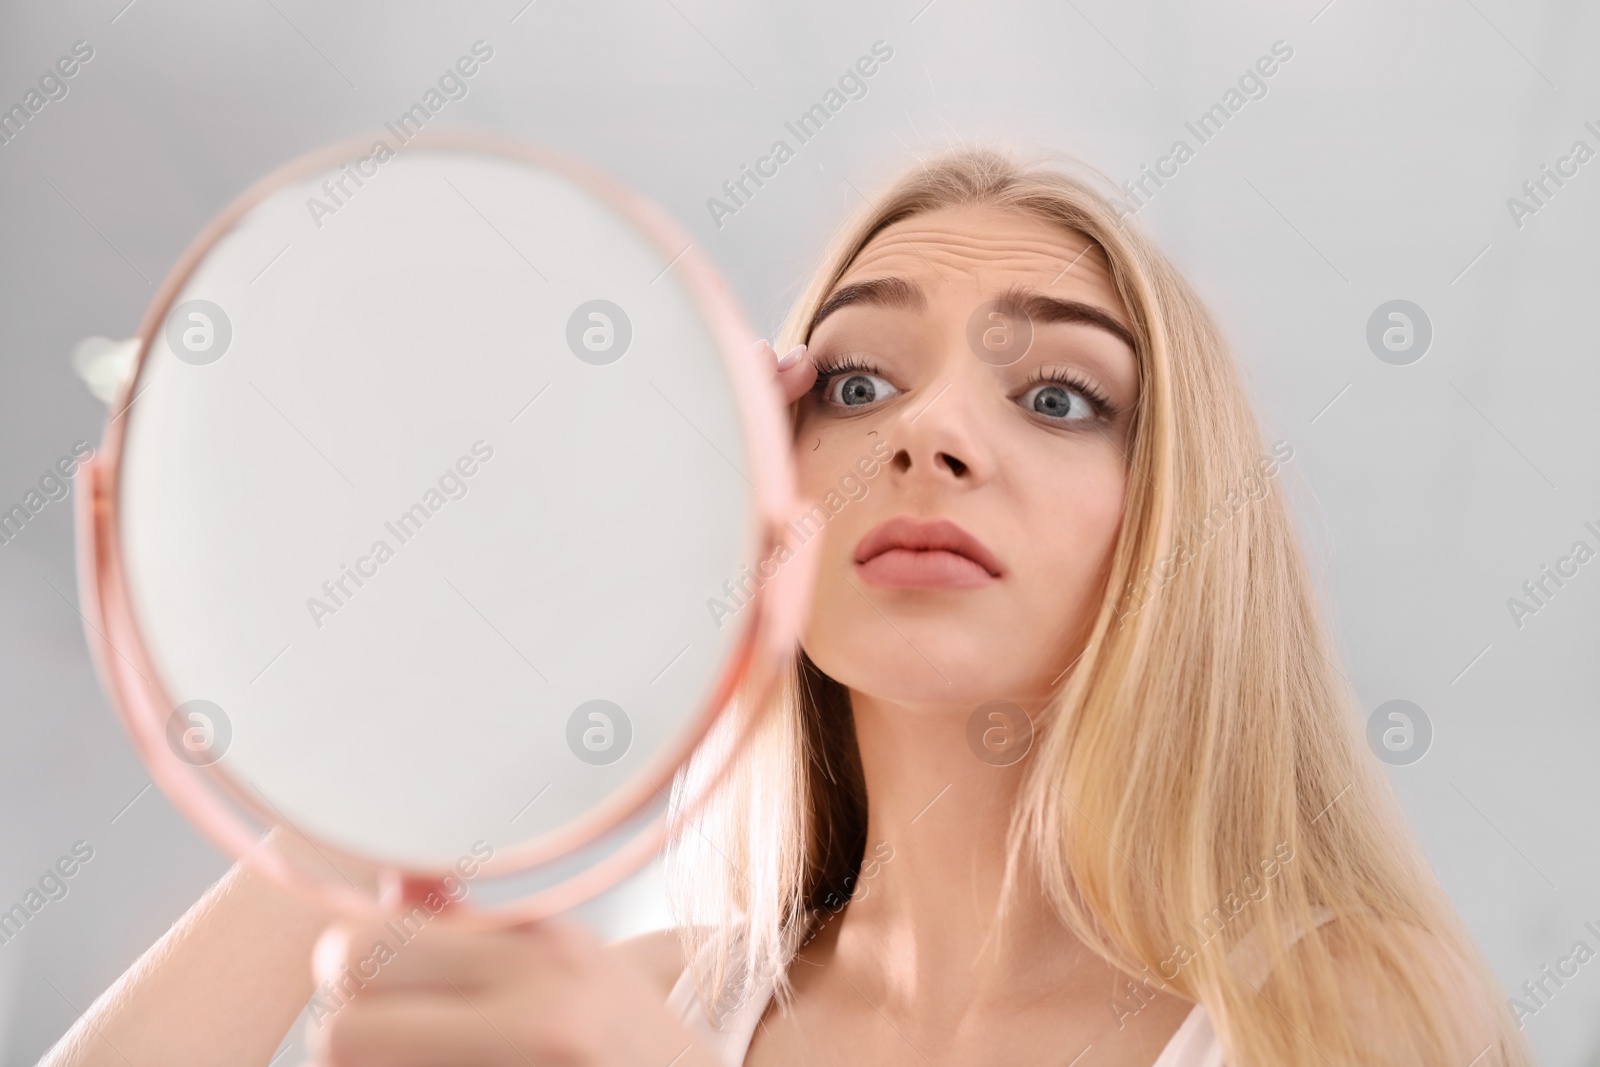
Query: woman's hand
794	377
545	994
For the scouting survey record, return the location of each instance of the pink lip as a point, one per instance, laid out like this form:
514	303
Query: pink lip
905	552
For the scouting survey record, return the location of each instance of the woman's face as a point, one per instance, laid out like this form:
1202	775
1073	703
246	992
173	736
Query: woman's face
1026	455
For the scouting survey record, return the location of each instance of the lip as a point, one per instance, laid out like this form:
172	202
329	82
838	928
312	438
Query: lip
925	553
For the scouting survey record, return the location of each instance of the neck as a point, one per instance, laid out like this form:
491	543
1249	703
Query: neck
926	904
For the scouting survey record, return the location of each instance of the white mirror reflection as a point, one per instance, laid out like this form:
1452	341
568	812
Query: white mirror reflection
422	501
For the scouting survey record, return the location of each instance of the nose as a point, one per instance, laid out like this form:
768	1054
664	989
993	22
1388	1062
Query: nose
902	462
939	440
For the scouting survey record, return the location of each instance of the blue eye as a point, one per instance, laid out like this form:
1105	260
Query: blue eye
851	383
1058	403
1055	396
858	390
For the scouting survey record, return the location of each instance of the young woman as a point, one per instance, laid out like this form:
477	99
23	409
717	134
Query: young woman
1065	772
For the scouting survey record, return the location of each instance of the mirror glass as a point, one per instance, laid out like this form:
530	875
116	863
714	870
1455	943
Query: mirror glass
426	481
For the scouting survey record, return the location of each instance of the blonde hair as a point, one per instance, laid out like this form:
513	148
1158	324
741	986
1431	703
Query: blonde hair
1202	736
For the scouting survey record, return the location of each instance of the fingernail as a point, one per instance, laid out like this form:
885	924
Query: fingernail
792	358
759	345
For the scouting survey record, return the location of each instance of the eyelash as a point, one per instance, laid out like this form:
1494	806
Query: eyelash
829	370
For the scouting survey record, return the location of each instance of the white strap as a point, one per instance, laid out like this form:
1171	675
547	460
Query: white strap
728	1037
1249	956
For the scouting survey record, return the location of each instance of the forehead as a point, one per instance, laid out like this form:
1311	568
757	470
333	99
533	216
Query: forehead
986	249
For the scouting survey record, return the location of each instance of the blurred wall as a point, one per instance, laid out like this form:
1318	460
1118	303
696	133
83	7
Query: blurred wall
1378	162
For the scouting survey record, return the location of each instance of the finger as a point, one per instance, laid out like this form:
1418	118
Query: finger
410	1030
797	377
400	954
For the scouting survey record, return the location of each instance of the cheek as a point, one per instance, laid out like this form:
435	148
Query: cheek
1077	526
1069	502
1087	503
827	458
847	504
813	464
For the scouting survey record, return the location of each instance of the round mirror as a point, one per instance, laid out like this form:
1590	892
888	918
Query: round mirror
413	530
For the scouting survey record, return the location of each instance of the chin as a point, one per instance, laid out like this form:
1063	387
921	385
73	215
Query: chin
860	659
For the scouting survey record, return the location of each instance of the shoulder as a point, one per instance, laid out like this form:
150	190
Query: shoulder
658	954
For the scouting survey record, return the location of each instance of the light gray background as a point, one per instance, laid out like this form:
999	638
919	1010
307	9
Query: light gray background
1377	167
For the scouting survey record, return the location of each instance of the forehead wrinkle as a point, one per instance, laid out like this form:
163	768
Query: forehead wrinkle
954	236
1027	234
1018	254
977	248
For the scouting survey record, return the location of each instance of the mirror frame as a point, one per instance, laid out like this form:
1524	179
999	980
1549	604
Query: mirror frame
763	649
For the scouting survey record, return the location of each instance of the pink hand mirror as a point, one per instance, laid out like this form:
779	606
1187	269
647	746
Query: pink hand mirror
402	534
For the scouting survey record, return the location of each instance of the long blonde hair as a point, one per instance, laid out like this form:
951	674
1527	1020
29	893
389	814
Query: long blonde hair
1202	744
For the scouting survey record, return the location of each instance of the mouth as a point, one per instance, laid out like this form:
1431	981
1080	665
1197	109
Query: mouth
906	552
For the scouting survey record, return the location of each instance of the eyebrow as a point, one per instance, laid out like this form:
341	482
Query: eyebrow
893	292
1038	308
896	292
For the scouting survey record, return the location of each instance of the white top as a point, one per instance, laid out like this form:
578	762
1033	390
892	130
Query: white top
1194	1044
